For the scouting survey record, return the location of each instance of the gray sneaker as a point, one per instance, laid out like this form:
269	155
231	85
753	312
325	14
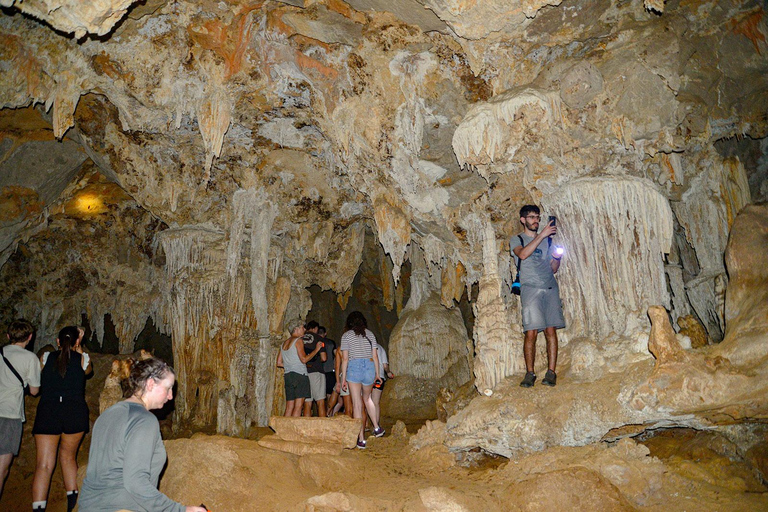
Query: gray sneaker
529	379
550	379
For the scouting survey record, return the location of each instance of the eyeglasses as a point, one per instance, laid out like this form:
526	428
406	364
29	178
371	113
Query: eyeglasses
533	217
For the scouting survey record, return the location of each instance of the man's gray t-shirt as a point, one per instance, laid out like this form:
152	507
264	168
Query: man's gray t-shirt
124	464
535	270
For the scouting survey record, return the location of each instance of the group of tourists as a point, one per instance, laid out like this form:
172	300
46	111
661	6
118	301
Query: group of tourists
127	453
351	375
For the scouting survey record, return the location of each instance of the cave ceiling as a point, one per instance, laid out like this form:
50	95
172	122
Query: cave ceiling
417	118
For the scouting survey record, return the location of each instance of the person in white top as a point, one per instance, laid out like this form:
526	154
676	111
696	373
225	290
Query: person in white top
19	368
378	389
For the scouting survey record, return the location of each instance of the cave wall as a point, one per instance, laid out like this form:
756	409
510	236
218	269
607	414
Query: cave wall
267	137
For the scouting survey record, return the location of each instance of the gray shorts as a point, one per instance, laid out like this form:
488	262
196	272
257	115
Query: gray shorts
316	386
10	435
542	308
342	392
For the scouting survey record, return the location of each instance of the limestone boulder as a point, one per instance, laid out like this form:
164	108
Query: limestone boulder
303	436
746	302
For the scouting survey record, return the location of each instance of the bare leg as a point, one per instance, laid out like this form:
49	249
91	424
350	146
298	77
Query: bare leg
355	391
551	334
5	468
299	405
307	408
289	405
68	459
529	349
321	408
376	397
333	399
348	409
46	463
369	406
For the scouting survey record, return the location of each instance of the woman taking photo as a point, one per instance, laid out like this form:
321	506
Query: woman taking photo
62	416
127	453
293	359
359	370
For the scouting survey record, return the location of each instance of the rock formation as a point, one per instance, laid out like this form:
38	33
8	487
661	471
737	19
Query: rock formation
226	168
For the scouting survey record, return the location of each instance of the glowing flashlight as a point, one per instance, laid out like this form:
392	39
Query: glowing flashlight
559	251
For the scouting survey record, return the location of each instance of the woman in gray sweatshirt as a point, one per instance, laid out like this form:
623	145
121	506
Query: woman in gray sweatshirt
127	452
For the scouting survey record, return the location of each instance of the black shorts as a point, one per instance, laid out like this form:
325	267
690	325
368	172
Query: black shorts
66	417
330	382
296	386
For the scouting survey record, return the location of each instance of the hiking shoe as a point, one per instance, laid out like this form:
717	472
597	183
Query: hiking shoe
529	379
378	432
550	379
361	444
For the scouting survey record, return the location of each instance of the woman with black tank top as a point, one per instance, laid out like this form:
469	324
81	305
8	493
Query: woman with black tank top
62	416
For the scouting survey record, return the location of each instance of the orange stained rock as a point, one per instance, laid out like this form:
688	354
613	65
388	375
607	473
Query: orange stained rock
104	65
345	10
228	41
18	202
23	60
305	62
748	27
662	343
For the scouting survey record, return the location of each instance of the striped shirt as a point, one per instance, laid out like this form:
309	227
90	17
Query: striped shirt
359	347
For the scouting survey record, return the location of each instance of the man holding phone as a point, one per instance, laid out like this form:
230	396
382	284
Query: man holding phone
539	293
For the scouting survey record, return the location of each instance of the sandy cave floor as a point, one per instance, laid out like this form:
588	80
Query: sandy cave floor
699	472
674	470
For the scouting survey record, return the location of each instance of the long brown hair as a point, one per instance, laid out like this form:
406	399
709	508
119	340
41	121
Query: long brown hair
67	339
356	322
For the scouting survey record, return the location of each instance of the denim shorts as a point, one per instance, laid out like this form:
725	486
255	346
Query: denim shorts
362	371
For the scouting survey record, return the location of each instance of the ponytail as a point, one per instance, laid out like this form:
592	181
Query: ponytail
67	339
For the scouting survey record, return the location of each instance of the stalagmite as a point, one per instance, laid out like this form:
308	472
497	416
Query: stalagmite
498	354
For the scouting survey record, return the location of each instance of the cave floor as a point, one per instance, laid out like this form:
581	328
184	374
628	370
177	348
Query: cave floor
700	472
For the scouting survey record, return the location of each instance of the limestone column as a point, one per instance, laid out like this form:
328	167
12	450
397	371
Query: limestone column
495	349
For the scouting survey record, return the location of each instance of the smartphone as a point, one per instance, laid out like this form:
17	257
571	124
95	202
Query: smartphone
553	220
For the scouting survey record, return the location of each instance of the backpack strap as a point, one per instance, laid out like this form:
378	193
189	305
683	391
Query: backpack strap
522	244
10	366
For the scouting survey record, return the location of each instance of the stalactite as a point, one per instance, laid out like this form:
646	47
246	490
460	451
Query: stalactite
243	202
480	138
261	232
214	115
706	212
387	284
452	283
65	98
626	222
434	253
394	231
